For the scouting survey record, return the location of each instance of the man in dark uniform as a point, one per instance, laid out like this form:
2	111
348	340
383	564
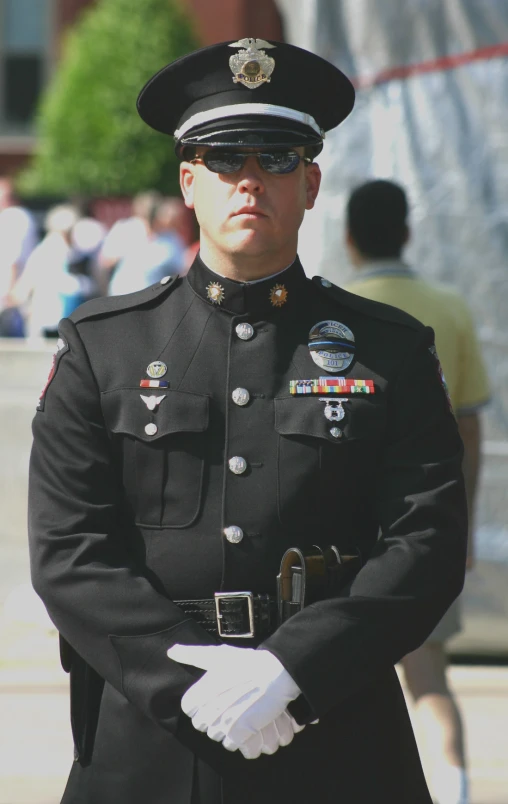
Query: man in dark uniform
190	434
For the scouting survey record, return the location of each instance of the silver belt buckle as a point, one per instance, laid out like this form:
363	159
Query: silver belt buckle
249	597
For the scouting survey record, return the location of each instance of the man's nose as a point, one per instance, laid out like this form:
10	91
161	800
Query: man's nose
251	178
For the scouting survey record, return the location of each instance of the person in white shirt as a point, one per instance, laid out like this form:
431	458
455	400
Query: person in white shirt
18	238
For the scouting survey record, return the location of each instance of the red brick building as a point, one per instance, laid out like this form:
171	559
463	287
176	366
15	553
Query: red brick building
30	35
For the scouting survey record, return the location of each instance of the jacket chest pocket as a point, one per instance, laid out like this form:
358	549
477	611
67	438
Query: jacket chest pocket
162	448
325	463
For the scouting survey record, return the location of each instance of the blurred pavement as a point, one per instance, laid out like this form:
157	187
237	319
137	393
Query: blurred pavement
36	747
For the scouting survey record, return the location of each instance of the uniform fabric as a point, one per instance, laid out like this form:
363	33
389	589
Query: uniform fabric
441	308
123	522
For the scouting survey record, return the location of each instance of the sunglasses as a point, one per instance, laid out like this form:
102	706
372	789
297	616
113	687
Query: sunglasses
276	162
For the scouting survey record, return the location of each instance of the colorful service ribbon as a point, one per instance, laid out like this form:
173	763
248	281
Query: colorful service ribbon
331	385
153	384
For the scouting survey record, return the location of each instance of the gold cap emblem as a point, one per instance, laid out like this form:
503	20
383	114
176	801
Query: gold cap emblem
251	66
215	293
278	295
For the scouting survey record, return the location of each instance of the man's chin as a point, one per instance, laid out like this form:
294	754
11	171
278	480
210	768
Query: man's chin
249	243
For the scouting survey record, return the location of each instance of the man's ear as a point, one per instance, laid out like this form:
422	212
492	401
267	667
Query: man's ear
187	183
313	182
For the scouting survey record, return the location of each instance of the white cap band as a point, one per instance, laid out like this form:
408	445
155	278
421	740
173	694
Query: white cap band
239	109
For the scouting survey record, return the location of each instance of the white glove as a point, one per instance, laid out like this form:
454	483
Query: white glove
267	741
243	691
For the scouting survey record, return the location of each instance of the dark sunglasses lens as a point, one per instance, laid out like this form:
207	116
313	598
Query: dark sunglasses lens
279	162
223	161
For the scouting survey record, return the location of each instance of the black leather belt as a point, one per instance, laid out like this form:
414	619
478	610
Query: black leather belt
234	615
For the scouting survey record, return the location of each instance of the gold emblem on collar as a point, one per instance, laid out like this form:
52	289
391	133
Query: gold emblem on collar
278	295
251	66
215	293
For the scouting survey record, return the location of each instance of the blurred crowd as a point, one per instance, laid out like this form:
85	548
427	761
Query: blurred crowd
51	265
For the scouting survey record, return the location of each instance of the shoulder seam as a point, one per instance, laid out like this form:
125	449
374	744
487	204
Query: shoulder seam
109	305
385	312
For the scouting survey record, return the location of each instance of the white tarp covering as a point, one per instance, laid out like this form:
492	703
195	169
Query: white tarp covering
432	114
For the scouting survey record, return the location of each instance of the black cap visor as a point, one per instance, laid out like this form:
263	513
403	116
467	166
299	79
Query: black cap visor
251	132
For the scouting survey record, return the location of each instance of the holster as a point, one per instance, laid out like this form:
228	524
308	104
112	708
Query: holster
312	574
86	687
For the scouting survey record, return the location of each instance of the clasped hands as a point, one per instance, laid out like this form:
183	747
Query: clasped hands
242	698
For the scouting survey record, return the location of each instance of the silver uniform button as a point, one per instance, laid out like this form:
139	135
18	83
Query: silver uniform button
233	534
244	331
151	429
165	280
237	465
240	396
335	432
326	283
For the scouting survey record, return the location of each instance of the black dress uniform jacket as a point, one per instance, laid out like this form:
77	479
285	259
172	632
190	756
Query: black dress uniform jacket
122	523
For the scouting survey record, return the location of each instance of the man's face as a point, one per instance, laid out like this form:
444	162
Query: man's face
250	212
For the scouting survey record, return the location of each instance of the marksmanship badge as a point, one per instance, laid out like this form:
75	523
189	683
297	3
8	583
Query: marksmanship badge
156	369
251	66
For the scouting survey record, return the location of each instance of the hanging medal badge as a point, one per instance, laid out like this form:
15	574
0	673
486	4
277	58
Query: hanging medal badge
334	409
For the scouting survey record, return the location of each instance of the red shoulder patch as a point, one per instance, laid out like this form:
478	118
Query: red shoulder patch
61	348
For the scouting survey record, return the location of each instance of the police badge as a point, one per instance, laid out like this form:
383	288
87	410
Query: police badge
332	346
251	67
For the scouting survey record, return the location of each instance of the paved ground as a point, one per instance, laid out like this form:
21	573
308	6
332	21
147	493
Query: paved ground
36	748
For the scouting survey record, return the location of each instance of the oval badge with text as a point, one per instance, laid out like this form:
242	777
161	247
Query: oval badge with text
332	346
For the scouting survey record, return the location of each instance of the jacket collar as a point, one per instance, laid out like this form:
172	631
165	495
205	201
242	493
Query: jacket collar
272	294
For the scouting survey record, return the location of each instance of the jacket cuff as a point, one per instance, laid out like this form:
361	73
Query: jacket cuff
150	680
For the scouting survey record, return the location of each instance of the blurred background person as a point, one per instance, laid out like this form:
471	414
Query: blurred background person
49	288
161	253
88	236
126	236
377	232
18	238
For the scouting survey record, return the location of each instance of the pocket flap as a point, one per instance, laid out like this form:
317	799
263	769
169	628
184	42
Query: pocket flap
178	411
305	416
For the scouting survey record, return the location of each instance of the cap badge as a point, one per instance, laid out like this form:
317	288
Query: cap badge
251	66
215	293
156	369
278	295
332	346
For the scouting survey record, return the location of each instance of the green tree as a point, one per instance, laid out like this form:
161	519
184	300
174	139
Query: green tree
91	139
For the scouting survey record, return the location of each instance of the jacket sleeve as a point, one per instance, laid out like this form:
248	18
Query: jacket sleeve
98	598
416	569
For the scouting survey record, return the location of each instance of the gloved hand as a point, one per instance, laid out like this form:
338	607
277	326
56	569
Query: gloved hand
267	741
243	691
